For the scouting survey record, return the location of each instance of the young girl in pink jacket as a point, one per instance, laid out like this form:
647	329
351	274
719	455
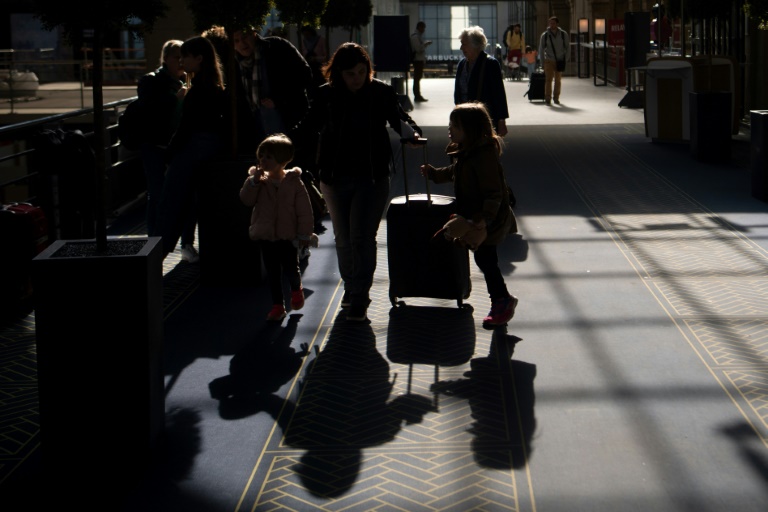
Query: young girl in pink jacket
282	213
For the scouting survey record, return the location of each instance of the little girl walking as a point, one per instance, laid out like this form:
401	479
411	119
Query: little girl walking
481	198
282	213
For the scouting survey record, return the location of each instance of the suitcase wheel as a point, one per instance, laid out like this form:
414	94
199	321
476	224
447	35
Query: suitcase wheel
393	300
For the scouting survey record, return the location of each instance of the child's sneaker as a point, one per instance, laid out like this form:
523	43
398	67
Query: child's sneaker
277	313
502	311
297	299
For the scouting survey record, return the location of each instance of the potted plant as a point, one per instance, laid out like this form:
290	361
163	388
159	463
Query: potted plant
98	303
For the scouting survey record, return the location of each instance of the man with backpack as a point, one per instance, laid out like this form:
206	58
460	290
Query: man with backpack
419	59
553	52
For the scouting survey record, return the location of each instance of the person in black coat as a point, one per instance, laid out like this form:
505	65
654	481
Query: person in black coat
273	81
350	113
479	78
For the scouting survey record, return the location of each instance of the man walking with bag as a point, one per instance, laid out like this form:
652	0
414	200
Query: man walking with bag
553	52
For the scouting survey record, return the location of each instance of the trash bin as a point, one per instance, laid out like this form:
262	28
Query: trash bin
398	84
667	85
758	159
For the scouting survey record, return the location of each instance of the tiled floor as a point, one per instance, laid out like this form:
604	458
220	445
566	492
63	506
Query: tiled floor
633	376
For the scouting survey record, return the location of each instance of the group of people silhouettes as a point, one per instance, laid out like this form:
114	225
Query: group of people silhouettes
298	108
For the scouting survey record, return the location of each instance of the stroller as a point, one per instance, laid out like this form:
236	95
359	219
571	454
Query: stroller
512	68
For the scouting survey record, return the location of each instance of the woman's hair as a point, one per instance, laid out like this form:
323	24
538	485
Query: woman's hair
346	56
210	66
167	47
476	37
475	121
218	36
279	145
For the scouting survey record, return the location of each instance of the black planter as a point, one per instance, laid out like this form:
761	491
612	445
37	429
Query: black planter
228	257
99	334
711	122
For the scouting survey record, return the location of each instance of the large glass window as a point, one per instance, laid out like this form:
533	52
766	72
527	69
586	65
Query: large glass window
445	23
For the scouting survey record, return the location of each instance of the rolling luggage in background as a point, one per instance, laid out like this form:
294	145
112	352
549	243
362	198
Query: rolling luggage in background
24	234
420	265
536	86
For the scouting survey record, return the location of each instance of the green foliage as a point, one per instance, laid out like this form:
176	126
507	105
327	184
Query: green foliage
233	15
108	16
301	12
758	10
347	13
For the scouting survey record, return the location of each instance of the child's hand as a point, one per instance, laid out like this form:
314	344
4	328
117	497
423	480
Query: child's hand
255	171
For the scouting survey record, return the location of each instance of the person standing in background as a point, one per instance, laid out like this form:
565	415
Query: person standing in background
198	140
162	92
273	84
479	78
553	52
515	43
418	49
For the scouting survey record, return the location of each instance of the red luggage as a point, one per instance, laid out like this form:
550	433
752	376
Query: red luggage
24	234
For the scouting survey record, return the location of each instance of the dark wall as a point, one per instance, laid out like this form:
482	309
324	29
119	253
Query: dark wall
391	43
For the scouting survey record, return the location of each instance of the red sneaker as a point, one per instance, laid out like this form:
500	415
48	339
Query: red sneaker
297	299
502	311
276	314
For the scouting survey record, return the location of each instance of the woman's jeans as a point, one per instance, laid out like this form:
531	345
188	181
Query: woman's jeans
356	206
178	203
153	159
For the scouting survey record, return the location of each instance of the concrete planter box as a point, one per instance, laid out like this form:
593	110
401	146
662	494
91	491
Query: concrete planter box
99	335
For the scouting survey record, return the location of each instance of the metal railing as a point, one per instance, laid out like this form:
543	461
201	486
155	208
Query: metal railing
22	179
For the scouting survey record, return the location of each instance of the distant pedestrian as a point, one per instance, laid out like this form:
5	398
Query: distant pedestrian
553	52
479	78
418	48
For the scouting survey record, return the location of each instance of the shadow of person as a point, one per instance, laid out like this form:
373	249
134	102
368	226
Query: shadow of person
261	367
501	396
343	408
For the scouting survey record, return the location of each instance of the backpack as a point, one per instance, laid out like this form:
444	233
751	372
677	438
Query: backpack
132	125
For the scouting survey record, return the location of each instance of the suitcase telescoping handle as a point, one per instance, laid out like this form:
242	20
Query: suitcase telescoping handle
421	141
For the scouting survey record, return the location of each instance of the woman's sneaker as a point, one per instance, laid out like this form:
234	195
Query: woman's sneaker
276	314
502	311
297	299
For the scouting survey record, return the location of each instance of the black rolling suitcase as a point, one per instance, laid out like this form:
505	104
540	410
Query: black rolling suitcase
536	86
420	264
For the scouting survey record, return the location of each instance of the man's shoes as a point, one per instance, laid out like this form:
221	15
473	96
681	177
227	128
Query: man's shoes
548	102
502	311
276	314
297	299
189	254
345	300
358	311
557	102
420	99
